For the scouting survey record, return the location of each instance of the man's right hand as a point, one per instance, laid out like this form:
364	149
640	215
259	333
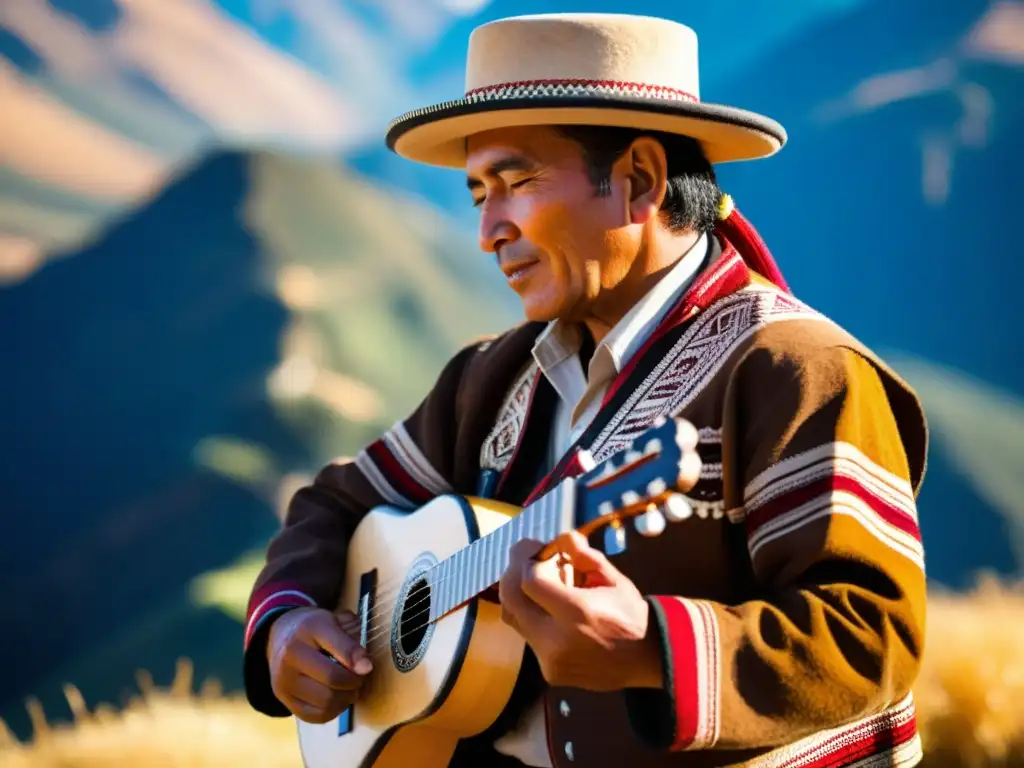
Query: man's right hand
312	686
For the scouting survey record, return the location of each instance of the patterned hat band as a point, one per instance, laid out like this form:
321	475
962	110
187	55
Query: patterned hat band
552	87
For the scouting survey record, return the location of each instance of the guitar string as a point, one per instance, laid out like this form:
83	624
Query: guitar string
385	627
382	596
395	585
377	628
374	622
406	631
537	525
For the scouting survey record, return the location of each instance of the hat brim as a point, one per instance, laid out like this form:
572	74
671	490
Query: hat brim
437	135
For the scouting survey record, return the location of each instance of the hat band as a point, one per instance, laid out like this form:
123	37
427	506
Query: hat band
527	89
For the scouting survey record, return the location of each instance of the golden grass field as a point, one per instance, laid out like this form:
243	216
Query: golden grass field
970	697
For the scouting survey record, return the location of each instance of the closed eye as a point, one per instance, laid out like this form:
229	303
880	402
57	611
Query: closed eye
512	185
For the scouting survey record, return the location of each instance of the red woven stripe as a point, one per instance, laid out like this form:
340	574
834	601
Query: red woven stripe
795	498
868	740
396	474
622	85
683	647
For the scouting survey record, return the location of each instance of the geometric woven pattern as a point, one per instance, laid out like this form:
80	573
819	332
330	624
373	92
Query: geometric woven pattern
527	89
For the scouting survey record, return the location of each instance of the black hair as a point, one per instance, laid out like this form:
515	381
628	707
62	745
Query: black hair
692	197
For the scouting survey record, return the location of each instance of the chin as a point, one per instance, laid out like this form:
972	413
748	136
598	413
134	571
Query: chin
540	312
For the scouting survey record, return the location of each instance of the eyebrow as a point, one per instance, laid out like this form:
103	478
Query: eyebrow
513	163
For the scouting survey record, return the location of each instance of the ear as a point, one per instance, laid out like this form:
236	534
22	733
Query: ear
646	169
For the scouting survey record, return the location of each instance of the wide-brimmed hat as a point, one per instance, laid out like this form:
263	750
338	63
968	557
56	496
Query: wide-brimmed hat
582	69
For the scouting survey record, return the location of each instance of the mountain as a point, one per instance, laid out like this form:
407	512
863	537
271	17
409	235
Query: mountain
258	316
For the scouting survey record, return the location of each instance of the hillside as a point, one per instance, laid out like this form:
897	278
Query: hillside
259	315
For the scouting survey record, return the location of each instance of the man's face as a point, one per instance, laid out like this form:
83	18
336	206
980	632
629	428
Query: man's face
559	243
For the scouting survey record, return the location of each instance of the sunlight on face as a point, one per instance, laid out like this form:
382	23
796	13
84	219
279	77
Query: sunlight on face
553	237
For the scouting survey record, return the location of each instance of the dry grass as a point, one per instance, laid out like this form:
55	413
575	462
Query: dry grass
970	701
162	728
970	694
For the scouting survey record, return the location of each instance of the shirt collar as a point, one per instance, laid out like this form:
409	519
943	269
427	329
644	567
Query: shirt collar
560	341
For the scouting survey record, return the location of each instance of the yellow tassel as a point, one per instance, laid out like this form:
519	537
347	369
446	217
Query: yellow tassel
725	207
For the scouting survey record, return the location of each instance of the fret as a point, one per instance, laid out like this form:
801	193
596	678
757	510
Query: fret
444	592
459	568
477	566
432	575
552	524
502	547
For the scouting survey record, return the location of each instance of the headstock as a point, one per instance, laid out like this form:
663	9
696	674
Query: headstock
644	482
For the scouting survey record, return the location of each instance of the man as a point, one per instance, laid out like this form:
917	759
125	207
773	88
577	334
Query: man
781	622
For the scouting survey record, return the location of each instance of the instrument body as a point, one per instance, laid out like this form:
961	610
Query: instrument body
444	662
460	676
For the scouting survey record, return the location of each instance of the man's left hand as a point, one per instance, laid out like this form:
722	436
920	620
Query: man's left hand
589	629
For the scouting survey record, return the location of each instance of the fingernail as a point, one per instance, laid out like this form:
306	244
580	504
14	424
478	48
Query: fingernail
363	666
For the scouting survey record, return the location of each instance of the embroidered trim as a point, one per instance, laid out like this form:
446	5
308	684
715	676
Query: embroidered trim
399	471
533	89
834	479
379	482
500	444
812	464
413	461
892	732
695	359
710	435
694	644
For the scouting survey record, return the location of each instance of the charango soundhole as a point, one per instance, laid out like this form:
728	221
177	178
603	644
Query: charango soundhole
411	627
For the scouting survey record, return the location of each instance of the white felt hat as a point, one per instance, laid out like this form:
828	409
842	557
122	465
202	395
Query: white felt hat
583	69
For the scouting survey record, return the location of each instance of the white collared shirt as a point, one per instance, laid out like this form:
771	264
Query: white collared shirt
579	399
557	352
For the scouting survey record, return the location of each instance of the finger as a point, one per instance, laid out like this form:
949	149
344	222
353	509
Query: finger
349	623
523	551
327	634
310	692
542	586
335	704
517	610
318	698
586	559
310	662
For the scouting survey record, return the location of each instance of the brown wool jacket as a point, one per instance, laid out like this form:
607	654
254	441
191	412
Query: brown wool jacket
790	605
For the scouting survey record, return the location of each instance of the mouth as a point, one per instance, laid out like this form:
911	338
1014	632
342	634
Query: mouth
517	270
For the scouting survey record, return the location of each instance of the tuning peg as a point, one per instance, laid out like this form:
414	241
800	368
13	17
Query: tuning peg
631	457
630	498
677	508
656	487
614	539
653	446
650	523
687	436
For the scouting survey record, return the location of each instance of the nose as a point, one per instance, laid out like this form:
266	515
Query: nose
496	230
